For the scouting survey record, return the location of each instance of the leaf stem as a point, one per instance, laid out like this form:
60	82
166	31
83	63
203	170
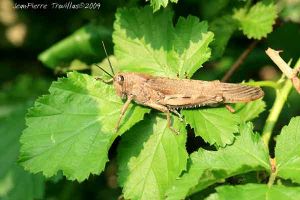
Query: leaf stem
281	93
281	97
271	84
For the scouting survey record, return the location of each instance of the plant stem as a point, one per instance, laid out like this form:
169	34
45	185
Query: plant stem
240	60
282	65
281	97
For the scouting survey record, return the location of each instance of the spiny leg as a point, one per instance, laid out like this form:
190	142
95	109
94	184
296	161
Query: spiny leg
124	108
173	110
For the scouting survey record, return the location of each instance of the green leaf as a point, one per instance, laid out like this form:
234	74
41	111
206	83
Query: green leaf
251	110
72	128
287	151
15	182
19	184
130	146
223	28
214	125
247	153
257	22
11	127
159	162
258	192
84	45
168	51
156	4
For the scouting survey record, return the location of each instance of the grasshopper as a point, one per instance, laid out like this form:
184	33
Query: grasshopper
169	94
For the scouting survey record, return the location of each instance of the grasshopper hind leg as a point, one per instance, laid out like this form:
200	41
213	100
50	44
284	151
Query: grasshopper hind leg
166	110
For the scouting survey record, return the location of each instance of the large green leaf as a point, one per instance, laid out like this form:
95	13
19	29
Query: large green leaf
72	128
248	153
156	4
84	44
214	125
257	21
287	151
156	161
258	192
130	146
11	127
15	183
19	184
149	43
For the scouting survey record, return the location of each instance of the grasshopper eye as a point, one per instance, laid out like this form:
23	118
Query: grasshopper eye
120	79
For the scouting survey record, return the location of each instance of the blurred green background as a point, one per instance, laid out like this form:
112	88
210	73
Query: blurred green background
27	70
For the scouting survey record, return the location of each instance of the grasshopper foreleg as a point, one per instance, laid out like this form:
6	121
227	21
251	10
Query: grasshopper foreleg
124	108
104	81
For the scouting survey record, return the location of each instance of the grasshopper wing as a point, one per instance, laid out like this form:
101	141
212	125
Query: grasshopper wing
187	93
235	93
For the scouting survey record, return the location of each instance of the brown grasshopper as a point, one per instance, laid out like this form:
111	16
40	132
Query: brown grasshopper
169	94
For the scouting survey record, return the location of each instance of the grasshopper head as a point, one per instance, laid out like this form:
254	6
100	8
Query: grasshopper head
119	84
129	83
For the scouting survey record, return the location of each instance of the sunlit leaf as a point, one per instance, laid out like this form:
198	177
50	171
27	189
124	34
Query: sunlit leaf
160	160
247	153
72	128
257	192
257	21
168	51
214	125
156	4
287	151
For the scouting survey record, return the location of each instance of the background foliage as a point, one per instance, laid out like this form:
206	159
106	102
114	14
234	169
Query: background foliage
68	148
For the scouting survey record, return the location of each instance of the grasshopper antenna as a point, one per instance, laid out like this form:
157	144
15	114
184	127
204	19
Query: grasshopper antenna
104	71
111	68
